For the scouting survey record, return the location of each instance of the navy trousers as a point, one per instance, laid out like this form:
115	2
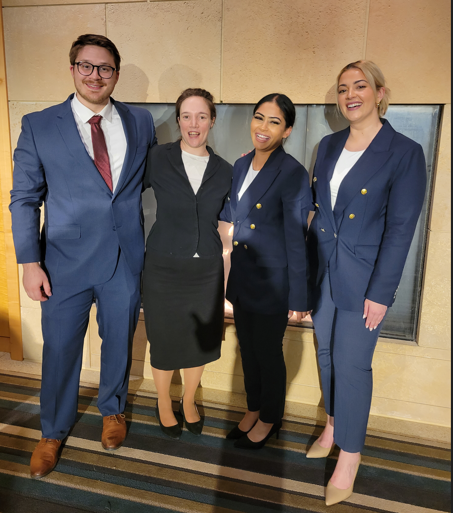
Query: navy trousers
345	354
65	318
261	344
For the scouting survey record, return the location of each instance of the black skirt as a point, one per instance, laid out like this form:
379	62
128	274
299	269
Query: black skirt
183	300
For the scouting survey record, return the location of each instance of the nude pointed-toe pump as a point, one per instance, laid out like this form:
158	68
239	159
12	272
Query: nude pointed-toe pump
317	451
334	495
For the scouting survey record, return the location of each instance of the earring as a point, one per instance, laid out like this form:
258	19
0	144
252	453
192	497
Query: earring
378	104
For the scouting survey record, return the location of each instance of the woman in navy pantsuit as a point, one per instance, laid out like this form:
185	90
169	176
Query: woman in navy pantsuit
369	185
268	282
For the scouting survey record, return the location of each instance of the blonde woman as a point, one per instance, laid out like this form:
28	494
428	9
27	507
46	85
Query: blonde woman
369	186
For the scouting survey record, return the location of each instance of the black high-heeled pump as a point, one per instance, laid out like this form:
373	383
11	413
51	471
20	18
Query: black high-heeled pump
246	443
236	433
195	428
174	432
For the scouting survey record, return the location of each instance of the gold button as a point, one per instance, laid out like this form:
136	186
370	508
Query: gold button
315	179
335	235
322	229
245	246
352	216
364	191
316	205
236	243
252	226
259	206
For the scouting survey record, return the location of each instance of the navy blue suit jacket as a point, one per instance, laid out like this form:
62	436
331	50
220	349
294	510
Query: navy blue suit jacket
269	271
85	223
367	237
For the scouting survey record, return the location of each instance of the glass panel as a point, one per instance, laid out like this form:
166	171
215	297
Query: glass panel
420	123
230	138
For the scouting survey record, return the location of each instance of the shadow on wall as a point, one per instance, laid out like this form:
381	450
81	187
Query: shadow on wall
175	80
133	83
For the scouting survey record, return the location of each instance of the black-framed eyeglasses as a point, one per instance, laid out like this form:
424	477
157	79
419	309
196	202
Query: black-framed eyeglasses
86	69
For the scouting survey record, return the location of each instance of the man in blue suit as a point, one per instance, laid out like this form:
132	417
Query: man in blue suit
84	159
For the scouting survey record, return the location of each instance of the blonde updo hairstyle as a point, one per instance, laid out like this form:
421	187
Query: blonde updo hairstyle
374	77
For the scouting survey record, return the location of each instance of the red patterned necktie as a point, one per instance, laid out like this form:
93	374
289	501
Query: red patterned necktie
101	156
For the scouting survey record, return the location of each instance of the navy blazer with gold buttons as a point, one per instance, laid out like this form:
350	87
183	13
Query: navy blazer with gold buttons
366	238
269	262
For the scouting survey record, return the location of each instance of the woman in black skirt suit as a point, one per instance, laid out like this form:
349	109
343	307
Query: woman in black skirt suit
268	282
183	279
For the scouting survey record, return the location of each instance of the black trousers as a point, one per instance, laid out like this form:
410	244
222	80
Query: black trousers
261	343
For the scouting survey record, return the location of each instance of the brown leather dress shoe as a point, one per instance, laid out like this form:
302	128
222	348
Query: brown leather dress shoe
44	457
113	432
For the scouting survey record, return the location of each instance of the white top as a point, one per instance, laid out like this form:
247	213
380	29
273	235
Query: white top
345	163
251	175
111	125
195	167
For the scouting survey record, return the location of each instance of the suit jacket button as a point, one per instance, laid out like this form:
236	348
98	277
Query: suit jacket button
352	216
335	235
252	226
259	206
364	191
245	246
322	229
317	205
236	243
315	179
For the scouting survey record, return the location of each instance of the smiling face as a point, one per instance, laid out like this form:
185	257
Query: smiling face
195	122
93	91
268	128
357	99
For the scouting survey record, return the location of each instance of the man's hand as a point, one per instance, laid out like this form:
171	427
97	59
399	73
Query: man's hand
373	313
299	315
36	283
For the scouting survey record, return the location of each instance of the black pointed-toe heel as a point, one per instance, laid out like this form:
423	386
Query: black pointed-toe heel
246	443
195	428
174	432
237	433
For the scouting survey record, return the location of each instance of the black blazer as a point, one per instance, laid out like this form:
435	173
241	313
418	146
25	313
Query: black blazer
366	239
185	223
269	271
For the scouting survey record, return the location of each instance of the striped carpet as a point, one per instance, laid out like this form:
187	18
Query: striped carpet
151	473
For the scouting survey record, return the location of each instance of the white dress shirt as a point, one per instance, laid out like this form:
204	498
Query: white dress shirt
347	160
251	175
111	125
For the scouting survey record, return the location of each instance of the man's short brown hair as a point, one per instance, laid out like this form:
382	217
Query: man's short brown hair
94	40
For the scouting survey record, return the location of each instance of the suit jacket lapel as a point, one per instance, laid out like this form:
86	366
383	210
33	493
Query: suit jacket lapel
131	138
68	129
375	156
261	184
212	167
175	157
241	169
325	173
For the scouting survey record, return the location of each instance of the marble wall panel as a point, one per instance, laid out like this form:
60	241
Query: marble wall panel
410	41
435	323
37	44
397	377
296	47
166	47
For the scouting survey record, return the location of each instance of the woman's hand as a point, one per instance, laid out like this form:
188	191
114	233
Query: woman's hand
373	313
299	315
